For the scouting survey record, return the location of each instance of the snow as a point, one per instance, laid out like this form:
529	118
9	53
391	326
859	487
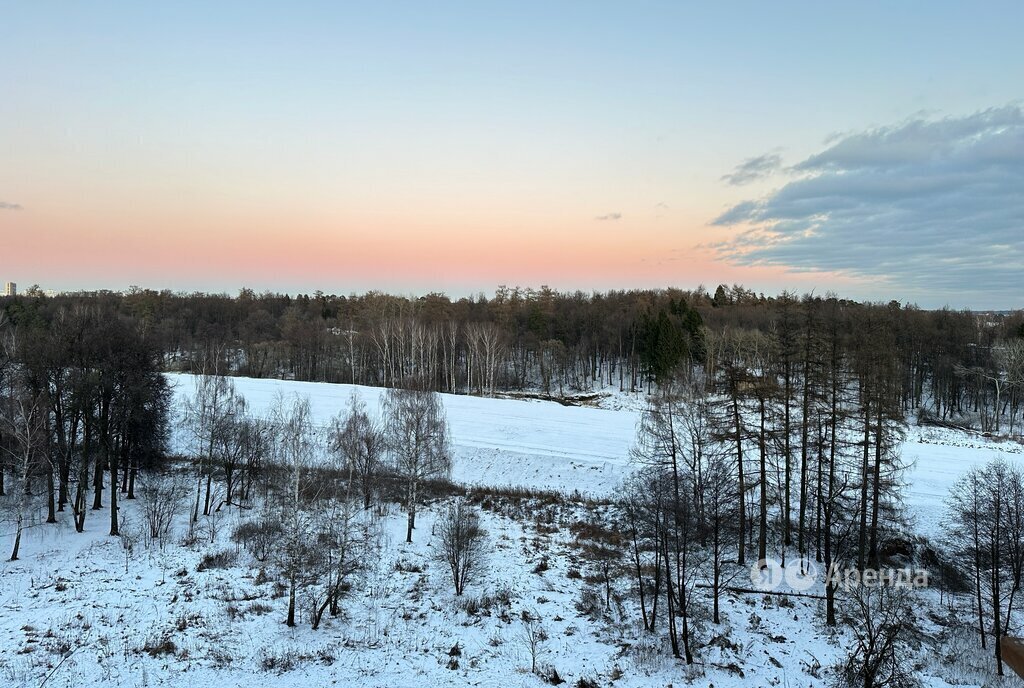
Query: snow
497	442
70	611
399	633
937	458
545	445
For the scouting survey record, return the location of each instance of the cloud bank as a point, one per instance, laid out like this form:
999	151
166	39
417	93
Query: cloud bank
609	216
936	207
752	169
9	206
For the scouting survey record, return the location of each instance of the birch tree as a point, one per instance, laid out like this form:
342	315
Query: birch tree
360	443
418	442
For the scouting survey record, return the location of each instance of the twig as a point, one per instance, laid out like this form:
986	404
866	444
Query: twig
54	669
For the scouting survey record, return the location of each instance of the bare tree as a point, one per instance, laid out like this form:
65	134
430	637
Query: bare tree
255	445
533	637
24	421
6	353
161	496
987	509
360	442
342	535
418	440
208	415
641	502
1009	358
295	446
231	446
661	449
881	622
719	522
486	348
463	543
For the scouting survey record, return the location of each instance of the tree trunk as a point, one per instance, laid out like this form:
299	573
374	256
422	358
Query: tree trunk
412	512
113	495
864	473
762	538
17	538
876	491
741	558
291	600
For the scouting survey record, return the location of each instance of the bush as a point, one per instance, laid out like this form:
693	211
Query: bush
258	537
259	608
463	543
590	602
288	659
481	605
549	674
403	565
217	560
160	646
595	532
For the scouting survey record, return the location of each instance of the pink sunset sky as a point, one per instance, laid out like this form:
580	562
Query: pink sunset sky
458	147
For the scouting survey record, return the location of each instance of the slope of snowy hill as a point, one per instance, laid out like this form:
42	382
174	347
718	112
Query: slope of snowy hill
537	444
84	610
548	446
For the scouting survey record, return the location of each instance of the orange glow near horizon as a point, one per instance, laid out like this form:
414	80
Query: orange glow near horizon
215	249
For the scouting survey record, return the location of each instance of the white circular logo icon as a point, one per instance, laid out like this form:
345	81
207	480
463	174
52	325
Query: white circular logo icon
801	574
767	574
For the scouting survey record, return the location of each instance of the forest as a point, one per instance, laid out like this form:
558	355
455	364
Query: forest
959	365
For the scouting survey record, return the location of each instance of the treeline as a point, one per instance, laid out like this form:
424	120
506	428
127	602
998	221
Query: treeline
956	365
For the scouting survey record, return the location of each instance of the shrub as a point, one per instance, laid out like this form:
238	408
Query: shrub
481	605
159	646
590	602
217	560
258	537
403	565
549	674
595	532
463	543
259	608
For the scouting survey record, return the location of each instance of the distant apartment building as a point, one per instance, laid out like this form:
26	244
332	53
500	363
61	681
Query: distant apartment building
10	289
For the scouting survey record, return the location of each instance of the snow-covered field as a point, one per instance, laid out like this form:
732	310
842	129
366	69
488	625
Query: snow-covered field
937	458
537	444
70	613
544	445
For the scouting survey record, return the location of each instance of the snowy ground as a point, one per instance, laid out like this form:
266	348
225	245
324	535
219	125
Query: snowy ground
937	458
163	622
544	445
538	444
70	611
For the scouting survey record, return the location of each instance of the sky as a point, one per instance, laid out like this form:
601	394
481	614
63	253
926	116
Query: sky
871	149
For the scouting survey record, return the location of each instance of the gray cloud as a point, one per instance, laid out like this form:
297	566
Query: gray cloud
936	207
9	206
752	169
609	216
